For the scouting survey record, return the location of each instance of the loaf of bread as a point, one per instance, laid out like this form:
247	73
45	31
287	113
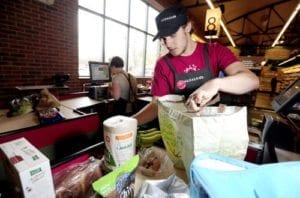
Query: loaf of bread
47	100
76	180
92	173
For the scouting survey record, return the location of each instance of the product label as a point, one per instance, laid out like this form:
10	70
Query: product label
122	148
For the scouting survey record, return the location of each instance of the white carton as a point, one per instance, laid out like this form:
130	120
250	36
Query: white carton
28	169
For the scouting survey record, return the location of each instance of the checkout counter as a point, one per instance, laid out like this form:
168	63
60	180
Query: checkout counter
81	126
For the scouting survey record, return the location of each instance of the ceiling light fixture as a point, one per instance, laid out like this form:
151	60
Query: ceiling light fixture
287	24
211	6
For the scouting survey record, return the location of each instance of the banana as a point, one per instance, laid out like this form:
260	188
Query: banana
145	145
148	130
150	134
148	140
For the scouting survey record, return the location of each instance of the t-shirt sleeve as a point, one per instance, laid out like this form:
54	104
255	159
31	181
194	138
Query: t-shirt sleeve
117	79
160	83
224	56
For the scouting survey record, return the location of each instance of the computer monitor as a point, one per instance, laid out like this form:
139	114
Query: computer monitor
285	101
99	72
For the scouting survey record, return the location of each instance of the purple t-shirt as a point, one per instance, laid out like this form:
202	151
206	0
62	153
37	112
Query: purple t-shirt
163	81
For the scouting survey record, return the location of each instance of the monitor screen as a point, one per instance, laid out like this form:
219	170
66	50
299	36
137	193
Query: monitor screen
99	72
287	98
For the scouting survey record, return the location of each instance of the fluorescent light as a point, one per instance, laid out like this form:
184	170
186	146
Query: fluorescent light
287	24
288	60
211	5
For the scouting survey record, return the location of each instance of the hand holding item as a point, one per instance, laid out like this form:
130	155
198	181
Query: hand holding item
205	95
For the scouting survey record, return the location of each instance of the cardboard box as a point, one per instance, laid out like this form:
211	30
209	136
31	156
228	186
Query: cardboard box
28	169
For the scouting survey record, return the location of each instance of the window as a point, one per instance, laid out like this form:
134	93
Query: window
136	52
90	40
151	21
117	10
138	14
124	28
152	52
115	40
94	5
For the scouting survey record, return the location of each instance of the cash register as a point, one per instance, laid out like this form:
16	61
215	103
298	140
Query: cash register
282	129
99	78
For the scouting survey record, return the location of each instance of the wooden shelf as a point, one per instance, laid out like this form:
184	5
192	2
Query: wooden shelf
39	87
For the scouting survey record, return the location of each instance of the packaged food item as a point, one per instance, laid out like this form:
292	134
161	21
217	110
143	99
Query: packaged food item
76	180
50	115
21	106
47	100
28	169
119	182
155	163
120	140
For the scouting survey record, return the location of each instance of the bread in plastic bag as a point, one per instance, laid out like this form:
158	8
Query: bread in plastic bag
155	163
76	179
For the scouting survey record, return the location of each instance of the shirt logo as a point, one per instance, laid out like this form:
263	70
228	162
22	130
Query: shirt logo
190	68
168	18
194	79
181	84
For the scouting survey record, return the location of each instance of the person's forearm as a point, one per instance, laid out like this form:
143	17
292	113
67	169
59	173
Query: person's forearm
239	83
147	114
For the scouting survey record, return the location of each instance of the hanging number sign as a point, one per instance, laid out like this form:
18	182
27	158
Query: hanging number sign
212	23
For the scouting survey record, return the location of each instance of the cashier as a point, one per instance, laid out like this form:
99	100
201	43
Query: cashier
191	68
122	87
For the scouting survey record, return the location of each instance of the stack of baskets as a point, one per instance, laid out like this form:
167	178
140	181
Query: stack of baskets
266	76
277	53
286	76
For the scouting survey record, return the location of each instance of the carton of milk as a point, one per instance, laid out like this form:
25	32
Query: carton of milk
28	169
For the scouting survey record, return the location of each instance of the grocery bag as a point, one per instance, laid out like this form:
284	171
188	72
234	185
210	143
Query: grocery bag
186	135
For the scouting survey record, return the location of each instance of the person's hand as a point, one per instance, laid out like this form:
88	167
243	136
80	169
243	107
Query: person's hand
203	96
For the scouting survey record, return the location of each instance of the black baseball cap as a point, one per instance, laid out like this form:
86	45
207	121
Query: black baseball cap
169	21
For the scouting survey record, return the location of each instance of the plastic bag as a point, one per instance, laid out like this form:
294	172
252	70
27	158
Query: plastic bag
187	135
76	179
155	163
170	187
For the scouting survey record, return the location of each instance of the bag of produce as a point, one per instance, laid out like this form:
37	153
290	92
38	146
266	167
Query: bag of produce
187	134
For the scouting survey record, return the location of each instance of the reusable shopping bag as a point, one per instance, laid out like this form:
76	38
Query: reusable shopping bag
186	135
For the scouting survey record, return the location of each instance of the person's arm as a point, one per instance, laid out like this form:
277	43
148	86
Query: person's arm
148	113
238	80
115	90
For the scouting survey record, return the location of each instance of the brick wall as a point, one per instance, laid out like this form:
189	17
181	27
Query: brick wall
36	42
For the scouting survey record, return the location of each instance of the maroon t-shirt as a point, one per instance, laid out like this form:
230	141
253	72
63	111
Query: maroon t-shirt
163	81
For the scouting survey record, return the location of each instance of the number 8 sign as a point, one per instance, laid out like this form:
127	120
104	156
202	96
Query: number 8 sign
212	23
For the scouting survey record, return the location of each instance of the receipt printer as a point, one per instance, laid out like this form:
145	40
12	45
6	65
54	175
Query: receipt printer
98	92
